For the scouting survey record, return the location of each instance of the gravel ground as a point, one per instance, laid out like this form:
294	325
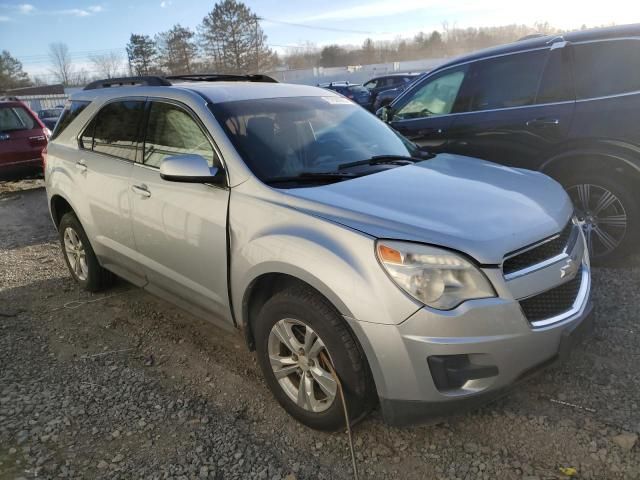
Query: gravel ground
123	385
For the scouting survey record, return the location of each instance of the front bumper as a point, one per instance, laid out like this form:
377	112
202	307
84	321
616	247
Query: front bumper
437	362
406	412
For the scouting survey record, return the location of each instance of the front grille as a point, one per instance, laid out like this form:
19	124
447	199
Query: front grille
538	254
552	302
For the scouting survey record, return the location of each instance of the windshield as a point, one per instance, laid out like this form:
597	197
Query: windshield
285	137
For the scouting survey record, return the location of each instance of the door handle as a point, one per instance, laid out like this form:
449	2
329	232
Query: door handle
80	165
430	131
543	122
141	190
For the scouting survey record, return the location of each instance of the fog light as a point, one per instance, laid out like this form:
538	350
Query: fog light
450	372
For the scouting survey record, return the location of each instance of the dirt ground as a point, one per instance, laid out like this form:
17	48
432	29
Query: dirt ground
123	385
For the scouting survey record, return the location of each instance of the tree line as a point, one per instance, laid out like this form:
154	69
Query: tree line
448	42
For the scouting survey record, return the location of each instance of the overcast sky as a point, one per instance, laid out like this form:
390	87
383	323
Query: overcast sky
92	26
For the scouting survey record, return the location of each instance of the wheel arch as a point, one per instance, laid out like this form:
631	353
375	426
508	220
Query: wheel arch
59	205
267	284
594	155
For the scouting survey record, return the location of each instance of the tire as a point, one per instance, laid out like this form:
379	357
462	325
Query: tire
301	309
622	215
80	257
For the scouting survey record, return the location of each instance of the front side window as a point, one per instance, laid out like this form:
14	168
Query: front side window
436	96
503	82
371	84
172	131
607	68
13	119
116	129
287	137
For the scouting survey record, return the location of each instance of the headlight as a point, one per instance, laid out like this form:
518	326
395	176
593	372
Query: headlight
438	278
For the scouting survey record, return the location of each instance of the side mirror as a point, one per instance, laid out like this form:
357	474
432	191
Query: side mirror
384	113
189	168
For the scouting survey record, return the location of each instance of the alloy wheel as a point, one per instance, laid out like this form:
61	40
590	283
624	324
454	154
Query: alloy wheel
601	215
76	255
295	355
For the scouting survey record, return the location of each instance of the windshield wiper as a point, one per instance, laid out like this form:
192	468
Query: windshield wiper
381	159
311	177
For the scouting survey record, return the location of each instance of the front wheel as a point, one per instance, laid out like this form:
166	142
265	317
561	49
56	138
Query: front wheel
300	339
609	213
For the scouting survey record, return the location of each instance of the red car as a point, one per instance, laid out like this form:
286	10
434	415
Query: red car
23	137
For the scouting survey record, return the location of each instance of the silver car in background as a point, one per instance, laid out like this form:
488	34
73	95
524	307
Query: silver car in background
429	284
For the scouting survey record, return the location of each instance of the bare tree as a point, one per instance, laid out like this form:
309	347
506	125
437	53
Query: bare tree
80	78
61	65
108	65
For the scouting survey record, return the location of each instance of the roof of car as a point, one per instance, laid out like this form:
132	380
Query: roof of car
341	83
544	40
406	74
12	103
215	92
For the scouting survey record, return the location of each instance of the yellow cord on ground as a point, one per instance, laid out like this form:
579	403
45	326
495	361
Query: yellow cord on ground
346	413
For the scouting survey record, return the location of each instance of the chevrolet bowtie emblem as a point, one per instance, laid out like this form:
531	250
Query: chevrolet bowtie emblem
569	269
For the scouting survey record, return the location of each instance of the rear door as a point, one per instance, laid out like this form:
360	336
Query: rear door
21	136
180	229
517	107
425	113
109	146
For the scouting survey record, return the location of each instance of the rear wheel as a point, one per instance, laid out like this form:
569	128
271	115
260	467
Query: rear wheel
80	257
299	338
608	212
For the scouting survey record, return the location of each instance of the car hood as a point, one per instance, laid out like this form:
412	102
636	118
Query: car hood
466	204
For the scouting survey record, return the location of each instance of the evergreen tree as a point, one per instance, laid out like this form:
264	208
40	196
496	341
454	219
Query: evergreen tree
231	37
11	73
177	50
141	52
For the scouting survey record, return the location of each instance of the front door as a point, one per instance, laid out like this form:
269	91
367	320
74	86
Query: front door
425	114
180	229
517	108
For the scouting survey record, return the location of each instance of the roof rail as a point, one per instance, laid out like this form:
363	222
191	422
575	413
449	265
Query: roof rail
221	77
531	36
158	81
149	80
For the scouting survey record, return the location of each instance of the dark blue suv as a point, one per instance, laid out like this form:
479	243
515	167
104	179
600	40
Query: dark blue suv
568	106
353	91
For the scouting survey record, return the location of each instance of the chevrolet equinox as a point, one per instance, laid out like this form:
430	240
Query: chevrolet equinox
344	253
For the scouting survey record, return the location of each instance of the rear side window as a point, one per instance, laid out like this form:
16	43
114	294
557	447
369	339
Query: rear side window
13	119
503	82
607	68
172	131
115	130
557	81
71	111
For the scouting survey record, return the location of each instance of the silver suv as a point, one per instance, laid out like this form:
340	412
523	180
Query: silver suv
430	283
